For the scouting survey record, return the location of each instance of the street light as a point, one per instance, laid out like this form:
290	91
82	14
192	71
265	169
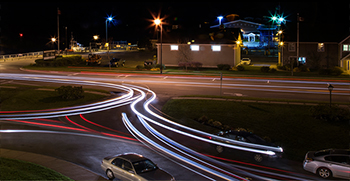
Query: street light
109	19
220	18
158	22
330	88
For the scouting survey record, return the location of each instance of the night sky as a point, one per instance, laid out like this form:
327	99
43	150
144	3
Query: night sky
37	21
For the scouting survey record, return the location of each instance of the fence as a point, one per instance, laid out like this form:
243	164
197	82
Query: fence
19	56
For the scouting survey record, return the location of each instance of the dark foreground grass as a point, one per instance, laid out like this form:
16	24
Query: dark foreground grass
289	126
20	170
30	98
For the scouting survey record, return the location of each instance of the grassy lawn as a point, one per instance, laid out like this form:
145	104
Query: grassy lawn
18	98
20	170
289	126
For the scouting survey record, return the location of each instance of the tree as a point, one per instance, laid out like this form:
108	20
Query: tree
184	55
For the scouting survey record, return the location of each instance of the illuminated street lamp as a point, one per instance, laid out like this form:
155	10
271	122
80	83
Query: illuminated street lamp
53	40
158	22
220	18
109	19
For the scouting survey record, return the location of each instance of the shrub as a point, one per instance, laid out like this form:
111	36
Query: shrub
330	113
203	119
60	61
265	69
217	124
224	67
158	66
336	71
139	67
196	65
69	92
240	68
184	65
281	67
324	72
273	70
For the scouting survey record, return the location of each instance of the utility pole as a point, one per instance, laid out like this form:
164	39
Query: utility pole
298	43
58	30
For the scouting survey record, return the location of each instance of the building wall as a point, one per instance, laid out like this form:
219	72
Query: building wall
205	54
316	54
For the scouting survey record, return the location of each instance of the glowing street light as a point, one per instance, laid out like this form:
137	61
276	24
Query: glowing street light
109	19
220	19
158	22
53	40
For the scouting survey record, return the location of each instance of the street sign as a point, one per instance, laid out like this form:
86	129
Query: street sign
49	54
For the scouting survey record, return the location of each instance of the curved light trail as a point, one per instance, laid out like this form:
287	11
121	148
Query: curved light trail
133	95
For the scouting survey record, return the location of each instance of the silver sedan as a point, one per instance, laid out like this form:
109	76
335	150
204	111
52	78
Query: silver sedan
131	166
328	163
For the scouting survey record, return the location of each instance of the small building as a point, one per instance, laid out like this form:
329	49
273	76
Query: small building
210	55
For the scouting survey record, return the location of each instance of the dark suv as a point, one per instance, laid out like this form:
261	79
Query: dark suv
254	141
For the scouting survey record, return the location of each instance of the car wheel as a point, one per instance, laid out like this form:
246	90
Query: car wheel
324	172
110	174
219	149
258	158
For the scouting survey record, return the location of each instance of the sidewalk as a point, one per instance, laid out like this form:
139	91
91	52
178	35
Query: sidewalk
68	169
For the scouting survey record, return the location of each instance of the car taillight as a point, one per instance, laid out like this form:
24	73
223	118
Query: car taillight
309	159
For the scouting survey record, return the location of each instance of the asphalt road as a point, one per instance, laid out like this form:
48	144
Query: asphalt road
88	151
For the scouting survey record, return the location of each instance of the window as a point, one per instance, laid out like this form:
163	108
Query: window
338	159
320	47
174	47
302	60
291	47
346	48
216	48
127	166
118	162
195	47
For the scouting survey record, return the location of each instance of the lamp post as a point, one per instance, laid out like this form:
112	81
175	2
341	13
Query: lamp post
220	18
158	22
330	88
109	19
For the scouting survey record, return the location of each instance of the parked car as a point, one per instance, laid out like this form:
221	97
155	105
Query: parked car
328	163
116	62
248	137
245	61
131	166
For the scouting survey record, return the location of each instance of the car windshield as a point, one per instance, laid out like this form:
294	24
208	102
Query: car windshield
144	166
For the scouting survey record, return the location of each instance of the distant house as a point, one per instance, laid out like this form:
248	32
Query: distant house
318	55
254	34
344	54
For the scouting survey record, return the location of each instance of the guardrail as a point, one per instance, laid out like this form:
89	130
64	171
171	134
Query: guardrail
19	56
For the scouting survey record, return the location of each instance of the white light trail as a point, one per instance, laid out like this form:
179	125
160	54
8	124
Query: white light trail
136	133
268	150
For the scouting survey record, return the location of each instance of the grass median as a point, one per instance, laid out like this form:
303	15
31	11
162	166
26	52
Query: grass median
20	98
289	126
20	170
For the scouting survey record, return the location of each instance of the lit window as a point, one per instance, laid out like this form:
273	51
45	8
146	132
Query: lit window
345	48
195	47
174	47
216	48
320	47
